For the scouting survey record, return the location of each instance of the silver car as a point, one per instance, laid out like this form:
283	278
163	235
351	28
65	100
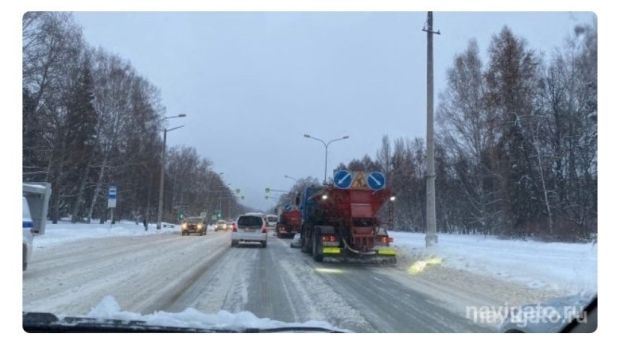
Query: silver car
249	228
221	225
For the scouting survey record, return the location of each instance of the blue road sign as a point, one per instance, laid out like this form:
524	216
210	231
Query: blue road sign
376	180
343	179
112	197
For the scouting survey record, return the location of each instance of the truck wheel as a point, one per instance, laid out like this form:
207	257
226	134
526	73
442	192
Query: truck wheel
317	250
306	247
264	244
233	243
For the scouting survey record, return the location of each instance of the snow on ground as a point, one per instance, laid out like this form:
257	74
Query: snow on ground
566	267
109	309
64	232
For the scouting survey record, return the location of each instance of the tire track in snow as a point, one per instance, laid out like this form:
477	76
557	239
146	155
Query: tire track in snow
222	286
319	299
130	278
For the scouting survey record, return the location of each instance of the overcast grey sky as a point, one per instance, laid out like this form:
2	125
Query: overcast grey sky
253	83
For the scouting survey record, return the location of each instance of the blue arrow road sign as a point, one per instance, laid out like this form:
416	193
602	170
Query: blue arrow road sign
343	179
376	180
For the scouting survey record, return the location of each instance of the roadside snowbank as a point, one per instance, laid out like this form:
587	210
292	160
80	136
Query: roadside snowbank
109	309
567	267
62	232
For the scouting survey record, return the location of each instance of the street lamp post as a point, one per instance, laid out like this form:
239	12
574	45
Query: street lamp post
219	209
291	178
326	145
163	165
228	201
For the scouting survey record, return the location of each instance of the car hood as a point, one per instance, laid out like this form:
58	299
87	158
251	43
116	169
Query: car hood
107	316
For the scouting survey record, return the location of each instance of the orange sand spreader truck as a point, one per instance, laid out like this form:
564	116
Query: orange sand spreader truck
339	220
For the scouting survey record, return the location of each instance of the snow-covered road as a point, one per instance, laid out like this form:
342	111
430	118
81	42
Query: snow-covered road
169	272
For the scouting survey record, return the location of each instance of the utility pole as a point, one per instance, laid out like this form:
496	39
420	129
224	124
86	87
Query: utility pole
431	224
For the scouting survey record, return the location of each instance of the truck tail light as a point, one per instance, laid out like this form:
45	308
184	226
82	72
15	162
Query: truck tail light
263	229
234	229
385	239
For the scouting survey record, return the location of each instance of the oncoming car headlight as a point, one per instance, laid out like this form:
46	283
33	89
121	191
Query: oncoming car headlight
184	226
199	226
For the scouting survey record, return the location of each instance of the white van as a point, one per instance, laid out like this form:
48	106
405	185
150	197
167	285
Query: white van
249	228
27	234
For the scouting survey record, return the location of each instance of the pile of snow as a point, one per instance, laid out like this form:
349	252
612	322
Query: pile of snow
568	267
109	309
64	232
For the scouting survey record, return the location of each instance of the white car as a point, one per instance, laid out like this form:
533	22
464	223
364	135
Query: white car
221	225
272	221
27	230
249	228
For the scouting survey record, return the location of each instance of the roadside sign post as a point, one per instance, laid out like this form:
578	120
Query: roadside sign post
112	202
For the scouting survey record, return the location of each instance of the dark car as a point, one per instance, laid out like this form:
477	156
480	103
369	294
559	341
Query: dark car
194	225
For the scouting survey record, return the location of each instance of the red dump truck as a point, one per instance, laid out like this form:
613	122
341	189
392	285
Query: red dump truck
289	222
339	220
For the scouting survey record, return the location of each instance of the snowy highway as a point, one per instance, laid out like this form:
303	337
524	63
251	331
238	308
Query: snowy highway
169	272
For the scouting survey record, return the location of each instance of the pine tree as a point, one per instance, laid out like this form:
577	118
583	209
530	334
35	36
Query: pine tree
80	133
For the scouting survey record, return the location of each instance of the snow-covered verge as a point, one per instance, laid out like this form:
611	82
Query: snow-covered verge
565	267
109	309
64	232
